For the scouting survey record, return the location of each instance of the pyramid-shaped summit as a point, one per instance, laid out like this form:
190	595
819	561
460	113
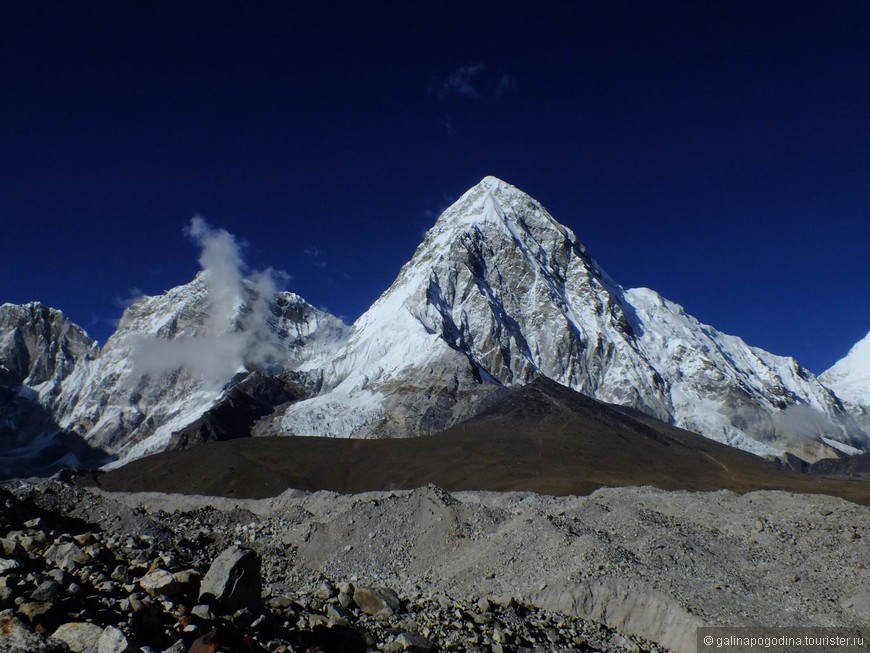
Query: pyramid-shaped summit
496	201
498	293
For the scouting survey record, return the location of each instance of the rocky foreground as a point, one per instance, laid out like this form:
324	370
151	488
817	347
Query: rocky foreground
629	569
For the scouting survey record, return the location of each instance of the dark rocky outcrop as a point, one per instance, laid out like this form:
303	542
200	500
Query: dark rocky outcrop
238	410
857	466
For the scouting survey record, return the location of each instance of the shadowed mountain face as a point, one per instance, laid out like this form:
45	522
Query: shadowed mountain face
848	467
40	349
541	437
237	411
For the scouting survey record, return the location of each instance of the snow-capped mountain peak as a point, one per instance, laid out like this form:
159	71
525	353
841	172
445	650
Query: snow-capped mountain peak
499	292
168	361
849	377
497	202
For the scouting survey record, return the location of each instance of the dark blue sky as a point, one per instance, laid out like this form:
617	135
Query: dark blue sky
718	152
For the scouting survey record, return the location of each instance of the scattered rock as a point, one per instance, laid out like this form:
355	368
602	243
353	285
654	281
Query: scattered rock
66	555
159	583
18	638
188	579
8	565
665	546
7	598
34	611
203	612
114	641
178	647
233	580
414	643
379	602
79	636
324	591
47	591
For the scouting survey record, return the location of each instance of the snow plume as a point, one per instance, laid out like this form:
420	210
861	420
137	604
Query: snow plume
802	423
239	331
221	259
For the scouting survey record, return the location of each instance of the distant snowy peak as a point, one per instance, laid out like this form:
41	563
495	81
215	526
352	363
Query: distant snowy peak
295	333
498	202
171	357
39	345
849	377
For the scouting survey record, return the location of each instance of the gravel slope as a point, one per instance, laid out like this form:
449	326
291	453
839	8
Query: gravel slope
649	563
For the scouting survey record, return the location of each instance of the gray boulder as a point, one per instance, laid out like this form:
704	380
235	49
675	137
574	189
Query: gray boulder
233	581
114	641
414	643
7	565
66	555
17	638
79	636
379	602
178	647
159	582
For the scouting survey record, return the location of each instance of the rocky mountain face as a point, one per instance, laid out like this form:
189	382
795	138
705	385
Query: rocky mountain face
39	346
237	411
499	292
40	351
168	362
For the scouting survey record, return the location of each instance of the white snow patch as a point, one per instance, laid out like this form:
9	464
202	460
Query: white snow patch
849	377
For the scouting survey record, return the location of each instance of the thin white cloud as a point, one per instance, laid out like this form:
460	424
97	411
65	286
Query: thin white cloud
314	255
473	81
133	295
237	332
463	81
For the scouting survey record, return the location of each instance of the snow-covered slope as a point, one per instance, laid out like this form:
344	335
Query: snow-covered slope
499	292
849	377
719	386
168	361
